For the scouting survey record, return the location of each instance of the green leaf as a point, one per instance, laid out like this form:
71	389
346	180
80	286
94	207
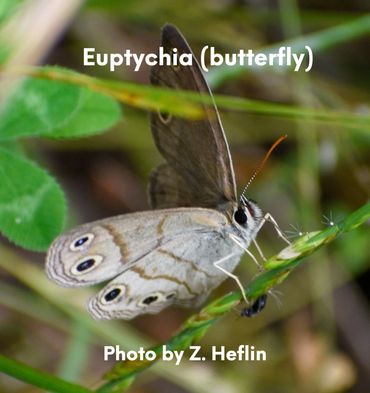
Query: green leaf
32	205
7	9
56	109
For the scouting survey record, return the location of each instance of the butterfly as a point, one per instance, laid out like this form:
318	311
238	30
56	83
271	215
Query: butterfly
195	235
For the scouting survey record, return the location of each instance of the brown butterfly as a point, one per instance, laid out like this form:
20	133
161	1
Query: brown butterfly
192	241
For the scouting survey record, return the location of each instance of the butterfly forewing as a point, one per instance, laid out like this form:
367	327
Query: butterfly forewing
196	150
168	189
115	244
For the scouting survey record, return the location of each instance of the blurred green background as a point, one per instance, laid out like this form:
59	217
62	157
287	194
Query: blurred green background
316	333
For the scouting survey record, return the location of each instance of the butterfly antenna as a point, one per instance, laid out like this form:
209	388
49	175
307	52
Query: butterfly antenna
262	164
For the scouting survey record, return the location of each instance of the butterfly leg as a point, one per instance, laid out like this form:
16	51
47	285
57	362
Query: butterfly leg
259	250
235	239
231	275
268	217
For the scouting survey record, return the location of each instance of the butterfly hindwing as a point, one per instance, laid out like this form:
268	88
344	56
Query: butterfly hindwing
180	272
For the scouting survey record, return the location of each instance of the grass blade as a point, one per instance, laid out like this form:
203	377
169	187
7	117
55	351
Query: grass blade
38	378
277	270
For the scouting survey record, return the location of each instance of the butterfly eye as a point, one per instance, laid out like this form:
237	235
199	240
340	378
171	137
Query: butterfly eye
83	240
165	117
240	216
86	264
153	298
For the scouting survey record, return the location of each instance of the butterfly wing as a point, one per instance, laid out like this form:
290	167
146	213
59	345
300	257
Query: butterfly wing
165	256
180	272
101	250
196	150
167	189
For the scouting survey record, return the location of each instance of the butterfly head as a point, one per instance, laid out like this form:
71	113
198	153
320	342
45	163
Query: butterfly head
248	215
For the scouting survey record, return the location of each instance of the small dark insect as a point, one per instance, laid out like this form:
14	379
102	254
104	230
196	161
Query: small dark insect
258	305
